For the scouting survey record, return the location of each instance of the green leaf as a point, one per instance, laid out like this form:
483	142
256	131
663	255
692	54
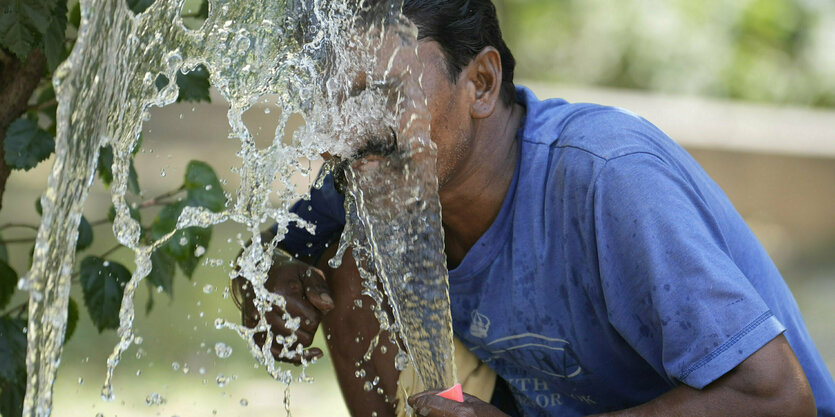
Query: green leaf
75	15
183	245
133	179
72	319
111	214
162	273
8	283
194	85
161	82
149	305
11	398
4	253
203	11
103	284
105	170
55	35
16	34
203	188
105	165
139	6
26	144
85	235
47	94
166	219
38	14
12	350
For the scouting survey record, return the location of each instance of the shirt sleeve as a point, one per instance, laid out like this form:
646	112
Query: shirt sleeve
671	287
325	210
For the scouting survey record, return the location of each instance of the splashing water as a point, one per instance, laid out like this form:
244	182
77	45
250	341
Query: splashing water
308	53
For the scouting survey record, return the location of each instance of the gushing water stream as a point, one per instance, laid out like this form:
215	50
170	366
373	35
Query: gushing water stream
308	53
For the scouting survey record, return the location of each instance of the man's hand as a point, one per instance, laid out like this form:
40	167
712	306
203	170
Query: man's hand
308	298
430	405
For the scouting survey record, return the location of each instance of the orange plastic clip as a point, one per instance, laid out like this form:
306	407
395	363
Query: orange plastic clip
455	393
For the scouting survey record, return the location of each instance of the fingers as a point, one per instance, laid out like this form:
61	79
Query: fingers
291	356
316	289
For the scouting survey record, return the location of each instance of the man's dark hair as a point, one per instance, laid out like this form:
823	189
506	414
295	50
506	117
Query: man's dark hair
463	28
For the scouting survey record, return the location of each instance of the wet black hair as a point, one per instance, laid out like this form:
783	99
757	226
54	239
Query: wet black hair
463	28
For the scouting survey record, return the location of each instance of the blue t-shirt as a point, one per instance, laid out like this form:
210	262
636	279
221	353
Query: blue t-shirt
615	270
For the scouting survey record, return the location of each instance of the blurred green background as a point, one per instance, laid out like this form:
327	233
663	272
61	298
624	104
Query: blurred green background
747	86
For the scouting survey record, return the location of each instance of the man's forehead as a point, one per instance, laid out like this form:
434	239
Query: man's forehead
396	62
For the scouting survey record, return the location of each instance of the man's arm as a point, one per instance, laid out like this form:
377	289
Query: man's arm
349	329
768	383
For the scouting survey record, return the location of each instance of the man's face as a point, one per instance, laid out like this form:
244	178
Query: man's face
415	90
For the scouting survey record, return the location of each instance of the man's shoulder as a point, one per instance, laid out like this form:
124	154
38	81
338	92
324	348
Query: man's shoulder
595	130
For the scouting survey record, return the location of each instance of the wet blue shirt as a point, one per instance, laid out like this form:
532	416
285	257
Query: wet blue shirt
615	270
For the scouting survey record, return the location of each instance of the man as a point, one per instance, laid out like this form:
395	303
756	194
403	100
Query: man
593	264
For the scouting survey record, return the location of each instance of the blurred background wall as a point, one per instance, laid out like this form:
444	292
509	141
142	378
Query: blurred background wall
747	86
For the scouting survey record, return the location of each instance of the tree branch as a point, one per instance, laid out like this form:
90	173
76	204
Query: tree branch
158	199
21	225
44	105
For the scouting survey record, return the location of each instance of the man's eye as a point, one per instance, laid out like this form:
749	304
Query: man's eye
383	86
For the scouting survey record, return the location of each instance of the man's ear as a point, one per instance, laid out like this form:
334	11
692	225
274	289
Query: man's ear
484	73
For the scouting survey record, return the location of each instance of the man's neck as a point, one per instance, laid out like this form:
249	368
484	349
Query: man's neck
472	198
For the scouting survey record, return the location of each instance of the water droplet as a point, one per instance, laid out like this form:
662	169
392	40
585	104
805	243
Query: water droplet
199	251
244	402
222	351
401	361
208	288
80	380
162	173
367	386
154	399
175	366
222	380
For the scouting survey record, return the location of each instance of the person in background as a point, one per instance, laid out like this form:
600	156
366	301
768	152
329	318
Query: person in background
594	267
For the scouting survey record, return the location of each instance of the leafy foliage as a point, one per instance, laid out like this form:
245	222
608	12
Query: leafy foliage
183	245
12	366
760	50
26	25
139	6
72	319
162	273
8	283
194	85
85	235
203	188
13	349
34	24
11	398
105	170
26	144
103	284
